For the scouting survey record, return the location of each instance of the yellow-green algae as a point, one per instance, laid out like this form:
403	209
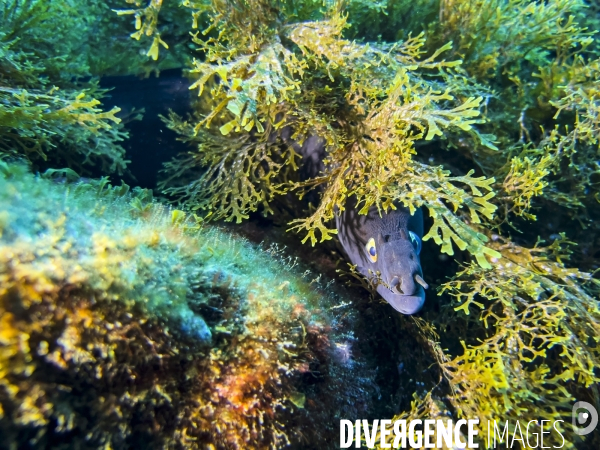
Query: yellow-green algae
47	115
124	323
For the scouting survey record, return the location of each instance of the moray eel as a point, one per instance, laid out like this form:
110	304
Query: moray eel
385	248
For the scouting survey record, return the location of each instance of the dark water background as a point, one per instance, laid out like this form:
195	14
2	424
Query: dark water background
150	142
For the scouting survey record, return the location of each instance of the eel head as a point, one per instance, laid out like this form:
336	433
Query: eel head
385	248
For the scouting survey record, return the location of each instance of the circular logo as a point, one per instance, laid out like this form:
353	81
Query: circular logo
583	412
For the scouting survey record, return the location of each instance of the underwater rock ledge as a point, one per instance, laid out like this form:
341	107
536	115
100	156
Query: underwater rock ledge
124	323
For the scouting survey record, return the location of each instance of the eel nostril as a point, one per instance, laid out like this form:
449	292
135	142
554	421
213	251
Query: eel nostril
395	285
421	281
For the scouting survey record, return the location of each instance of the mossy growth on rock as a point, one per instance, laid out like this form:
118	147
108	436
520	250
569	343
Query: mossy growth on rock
127	323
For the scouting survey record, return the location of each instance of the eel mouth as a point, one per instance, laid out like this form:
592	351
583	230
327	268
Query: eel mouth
405	304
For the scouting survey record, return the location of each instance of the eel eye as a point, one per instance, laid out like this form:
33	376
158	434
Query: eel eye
415	241
371	250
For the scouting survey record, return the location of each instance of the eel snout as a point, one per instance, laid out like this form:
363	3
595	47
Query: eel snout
406	293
